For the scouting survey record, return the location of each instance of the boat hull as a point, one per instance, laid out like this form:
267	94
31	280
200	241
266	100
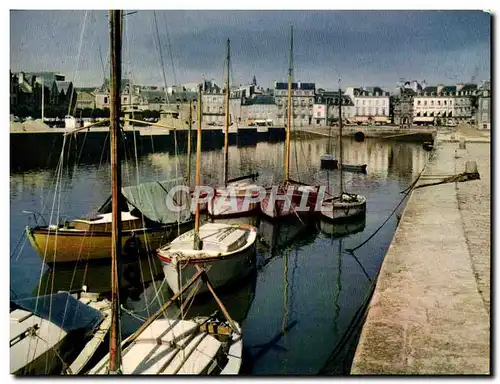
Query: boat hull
180	260
63	246
354	168
275	207
219	272
227	207
336	210
329	162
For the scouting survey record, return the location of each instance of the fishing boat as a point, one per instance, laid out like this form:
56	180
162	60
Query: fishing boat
161	345
291	197
239	196
344	205
226	250
47	331
146	221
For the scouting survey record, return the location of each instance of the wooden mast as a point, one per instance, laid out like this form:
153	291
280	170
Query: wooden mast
226	120
340	145
115	18
43	100
289	109
197	244
189	142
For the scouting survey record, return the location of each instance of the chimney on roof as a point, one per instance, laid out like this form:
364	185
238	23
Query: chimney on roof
440	88
460	86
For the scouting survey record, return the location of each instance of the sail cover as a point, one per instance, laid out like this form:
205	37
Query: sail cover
63	310
151	200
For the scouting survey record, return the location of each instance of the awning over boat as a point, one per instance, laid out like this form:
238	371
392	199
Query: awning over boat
382	119
151	200
63	310
423	119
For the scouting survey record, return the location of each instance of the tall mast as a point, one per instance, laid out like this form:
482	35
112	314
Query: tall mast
115	18
43	99
289	109
197	244
226	121
189	142
340	145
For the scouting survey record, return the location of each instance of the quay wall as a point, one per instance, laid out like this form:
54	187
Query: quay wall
429	313
33	149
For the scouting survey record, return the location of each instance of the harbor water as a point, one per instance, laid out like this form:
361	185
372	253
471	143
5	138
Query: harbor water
298	308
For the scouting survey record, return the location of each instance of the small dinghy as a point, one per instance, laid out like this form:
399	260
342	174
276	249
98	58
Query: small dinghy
329	162
345	206
354	168
226	250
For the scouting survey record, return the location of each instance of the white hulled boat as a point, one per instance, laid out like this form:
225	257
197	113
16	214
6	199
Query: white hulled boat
346	205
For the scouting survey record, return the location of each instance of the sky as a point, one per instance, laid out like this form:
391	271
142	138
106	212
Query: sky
362	48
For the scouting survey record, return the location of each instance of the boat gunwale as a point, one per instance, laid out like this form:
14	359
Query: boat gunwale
44	230
251	239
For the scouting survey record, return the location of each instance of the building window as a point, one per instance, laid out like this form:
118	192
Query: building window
105	100
432	102
383	111
445	102
425	102
418	102
208	109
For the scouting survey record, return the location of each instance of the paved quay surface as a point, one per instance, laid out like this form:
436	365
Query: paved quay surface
430	310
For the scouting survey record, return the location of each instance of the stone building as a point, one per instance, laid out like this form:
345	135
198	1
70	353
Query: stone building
259	110
445	105
85	98
371	104
402	106
483	114
213	103
329	101
302	102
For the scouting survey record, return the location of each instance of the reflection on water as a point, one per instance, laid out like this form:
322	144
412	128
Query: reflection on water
298	305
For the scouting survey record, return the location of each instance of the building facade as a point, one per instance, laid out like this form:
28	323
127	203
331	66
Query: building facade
483	114
445	105
371	105
259	110
402	106
326	108
303	95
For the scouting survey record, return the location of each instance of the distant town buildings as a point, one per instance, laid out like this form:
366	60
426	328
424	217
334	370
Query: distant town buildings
302	102
412	102
59	96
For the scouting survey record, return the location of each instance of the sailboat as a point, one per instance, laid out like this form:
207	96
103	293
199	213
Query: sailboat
234	198
345	205
226	250
285	200
146	221
160	345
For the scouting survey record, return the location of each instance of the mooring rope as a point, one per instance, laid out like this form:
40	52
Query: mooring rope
408	191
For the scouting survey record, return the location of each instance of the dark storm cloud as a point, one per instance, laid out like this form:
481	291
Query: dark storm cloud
361	47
